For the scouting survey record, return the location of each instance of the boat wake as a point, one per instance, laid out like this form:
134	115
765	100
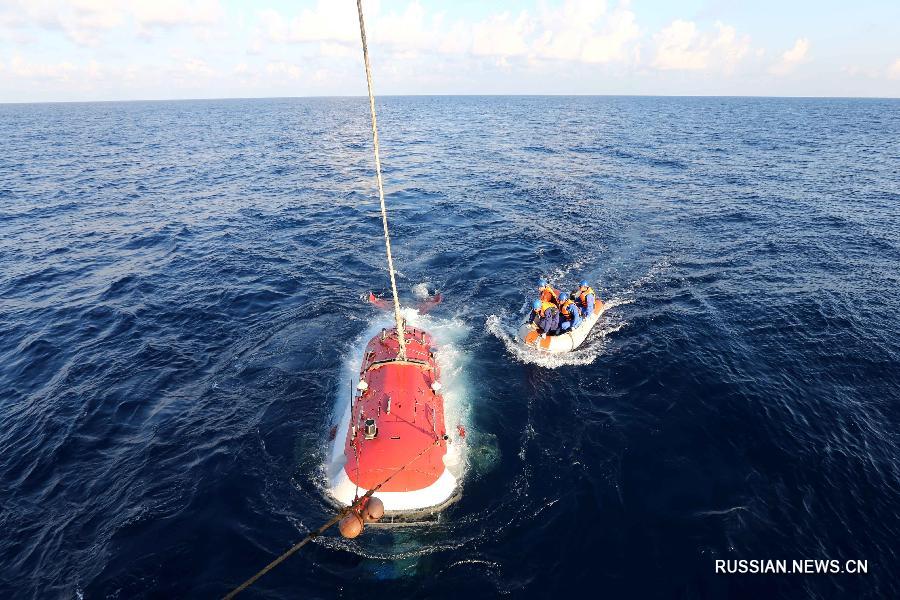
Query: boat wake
505	325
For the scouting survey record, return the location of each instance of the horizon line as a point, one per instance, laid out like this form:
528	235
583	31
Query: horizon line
323	96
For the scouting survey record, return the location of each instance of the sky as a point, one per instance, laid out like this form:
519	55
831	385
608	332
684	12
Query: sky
82	50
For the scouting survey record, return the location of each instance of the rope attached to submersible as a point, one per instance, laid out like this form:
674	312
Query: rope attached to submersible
314	534
401	354
387	236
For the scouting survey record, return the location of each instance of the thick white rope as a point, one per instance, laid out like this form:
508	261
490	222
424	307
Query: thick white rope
401	338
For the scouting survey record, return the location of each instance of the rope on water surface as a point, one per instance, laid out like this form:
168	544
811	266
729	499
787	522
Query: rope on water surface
340	515
401	354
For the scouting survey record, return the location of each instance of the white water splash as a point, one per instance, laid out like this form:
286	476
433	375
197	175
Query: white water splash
420	291
505	326
593	347
563	272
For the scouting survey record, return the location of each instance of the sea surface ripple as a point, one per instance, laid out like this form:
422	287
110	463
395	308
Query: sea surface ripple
181	291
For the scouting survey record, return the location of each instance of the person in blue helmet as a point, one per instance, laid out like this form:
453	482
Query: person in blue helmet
569	313
585	298
546	292
545	316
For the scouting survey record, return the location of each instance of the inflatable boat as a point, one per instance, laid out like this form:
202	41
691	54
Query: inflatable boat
565	342
395	428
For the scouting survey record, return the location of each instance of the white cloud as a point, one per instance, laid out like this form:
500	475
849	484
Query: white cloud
677	47
94	70
581	31
410	29
680	46
89	19
174	13
80	20
893	71
858	71
333	50
131	73
792	58
81	76
329	21
502	35
62	71
85	22
284	69
218	48
196	67
585	30
331	24
616	39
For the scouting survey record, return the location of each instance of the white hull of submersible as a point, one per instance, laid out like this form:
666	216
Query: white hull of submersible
342	489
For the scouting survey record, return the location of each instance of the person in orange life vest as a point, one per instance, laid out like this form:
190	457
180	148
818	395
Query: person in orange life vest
546	292
585	298
545	316
569	314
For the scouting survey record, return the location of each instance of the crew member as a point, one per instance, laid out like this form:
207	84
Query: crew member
545	316
569	315
546	292
585	298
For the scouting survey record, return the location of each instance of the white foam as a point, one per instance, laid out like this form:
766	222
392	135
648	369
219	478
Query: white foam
585	355
505	325
420	291
660	267
563	272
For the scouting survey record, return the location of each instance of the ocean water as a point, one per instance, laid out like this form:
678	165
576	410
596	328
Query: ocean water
181	298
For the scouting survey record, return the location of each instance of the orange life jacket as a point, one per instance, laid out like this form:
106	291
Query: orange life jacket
583	294
564	308
545	305
547	294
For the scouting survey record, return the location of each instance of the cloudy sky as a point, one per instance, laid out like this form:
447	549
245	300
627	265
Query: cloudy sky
58	50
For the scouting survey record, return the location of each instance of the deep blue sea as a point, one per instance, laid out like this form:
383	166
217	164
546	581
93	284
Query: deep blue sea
181	298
